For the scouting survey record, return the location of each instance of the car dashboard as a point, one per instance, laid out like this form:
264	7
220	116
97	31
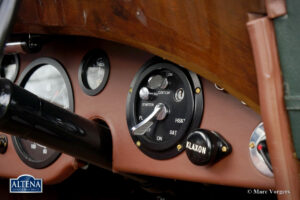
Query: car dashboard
222	113
176	90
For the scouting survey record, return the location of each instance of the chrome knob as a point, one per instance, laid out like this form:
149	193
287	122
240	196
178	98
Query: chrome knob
157	82
144	93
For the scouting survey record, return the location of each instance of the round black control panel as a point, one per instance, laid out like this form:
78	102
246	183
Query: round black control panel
164	102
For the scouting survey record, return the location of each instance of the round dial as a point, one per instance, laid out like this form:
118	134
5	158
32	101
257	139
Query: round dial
93	72
165	133
162	106
48	83
47	79
10	67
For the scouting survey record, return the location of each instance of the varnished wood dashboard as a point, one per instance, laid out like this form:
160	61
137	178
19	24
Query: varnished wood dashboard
208	37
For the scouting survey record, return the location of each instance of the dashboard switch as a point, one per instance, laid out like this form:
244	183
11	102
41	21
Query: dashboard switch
259	152
159	113
204	147
145	94
157	82
263	150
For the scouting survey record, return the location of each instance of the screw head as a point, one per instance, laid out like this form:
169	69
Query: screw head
251	145
224	149
179	147
138	143
197	90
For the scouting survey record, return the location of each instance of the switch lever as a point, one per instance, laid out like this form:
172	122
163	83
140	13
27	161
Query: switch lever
159	113
263	151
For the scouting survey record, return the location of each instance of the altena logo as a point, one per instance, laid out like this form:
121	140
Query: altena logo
25	184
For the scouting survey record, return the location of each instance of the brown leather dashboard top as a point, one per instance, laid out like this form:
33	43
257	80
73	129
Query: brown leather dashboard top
222	113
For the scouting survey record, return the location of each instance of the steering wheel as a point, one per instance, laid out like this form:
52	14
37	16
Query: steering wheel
8	11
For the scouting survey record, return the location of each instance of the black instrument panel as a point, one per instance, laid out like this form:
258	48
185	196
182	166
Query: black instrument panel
164	102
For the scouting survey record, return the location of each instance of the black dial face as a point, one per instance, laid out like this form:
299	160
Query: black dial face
165	133
47	79
93	72
10	67
162	106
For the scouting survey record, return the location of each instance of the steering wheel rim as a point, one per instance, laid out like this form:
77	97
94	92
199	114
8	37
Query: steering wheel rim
8	11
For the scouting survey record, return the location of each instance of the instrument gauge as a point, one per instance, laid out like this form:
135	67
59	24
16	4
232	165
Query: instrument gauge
9	68
164	102
46	78
93	72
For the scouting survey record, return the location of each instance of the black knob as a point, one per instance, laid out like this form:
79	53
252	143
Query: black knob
262	149
204	147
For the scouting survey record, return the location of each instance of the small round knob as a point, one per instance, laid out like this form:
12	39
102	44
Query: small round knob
157	82
206	147
144	93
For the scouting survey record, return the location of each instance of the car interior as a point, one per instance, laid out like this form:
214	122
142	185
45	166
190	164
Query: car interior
150	99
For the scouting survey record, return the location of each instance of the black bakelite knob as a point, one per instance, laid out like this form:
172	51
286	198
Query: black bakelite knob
204	147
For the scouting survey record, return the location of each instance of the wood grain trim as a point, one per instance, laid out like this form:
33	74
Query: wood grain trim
207	37
273	111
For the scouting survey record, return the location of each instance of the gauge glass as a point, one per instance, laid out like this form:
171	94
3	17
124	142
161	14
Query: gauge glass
9	67
93	72
49	82
36	151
